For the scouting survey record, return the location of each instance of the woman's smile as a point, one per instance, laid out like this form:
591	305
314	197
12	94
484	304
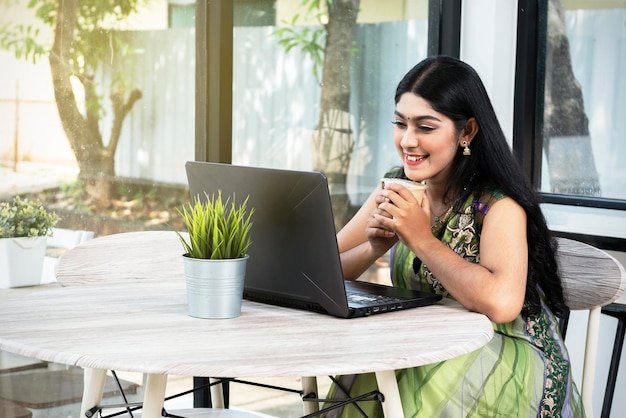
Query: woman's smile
414	159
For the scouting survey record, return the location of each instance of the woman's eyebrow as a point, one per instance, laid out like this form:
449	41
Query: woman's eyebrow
417	118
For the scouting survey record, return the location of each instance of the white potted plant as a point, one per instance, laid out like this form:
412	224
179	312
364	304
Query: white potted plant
24	227
215	254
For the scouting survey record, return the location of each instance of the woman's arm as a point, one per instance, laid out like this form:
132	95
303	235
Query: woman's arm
362	241
496	286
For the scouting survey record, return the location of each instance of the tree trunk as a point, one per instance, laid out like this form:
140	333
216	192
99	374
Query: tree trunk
95	163
333	139
567	143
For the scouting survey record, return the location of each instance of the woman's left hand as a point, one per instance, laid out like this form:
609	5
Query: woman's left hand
404	214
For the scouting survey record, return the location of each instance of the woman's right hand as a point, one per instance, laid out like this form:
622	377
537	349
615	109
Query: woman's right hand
380	237
363	240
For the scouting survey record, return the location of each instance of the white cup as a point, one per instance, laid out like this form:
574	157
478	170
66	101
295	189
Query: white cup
417	188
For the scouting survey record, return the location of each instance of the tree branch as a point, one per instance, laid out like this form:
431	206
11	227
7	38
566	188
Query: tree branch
120	111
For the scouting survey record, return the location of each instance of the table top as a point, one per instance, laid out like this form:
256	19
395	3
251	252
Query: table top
137	321
130	256
145	328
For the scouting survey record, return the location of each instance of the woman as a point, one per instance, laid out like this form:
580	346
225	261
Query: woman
478	237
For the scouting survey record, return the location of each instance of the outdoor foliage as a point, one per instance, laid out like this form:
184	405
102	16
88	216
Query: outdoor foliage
85	46
217	229
25	218
310	41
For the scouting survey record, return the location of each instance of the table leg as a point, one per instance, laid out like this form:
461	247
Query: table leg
93	380
388	386
217	394
309	385
154	395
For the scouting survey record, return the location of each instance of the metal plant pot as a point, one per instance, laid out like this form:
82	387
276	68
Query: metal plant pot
214	287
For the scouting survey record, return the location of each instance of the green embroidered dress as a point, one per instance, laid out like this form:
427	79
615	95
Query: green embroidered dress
524	371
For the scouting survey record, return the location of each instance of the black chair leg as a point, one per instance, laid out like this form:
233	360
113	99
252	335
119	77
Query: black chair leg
202	398
617	311
226	392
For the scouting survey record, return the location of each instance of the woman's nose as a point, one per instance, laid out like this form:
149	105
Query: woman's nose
409	139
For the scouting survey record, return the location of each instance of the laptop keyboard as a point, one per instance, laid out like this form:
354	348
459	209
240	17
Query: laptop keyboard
370	299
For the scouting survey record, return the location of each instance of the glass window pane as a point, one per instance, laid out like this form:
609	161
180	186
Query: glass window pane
287	113
585	99
107	151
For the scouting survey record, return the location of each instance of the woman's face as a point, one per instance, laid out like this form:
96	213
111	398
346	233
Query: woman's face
426	140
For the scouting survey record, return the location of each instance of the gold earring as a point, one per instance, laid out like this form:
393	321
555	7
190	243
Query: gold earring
466	151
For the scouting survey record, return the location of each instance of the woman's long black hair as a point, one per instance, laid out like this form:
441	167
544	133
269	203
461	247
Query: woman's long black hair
454	89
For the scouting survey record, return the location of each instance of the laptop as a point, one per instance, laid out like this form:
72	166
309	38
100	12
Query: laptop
294	259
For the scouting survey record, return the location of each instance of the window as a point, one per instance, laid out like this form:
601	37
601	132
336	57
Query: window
585	99
279	116
119	165
571	148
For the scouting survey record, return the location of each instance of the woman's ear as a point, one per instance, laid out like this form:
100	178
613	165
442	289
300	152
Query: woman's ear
469	131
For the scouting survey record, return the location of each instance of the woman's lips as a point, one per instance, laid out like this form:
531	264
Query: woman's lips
414	159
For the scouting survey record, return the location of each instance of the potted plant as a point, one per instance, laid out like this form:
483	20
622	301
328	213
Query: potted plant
24	227
215	255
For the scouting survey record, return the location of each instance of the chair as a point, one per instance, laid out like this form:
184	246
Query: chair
591	279
68	238
61	240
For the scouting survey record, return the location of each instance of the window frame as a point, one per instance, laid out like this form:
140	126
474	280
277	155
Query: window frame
444	27
214	80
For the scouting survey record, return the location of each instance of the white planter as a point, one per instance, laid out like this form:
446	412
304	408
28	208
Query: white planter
21	261
214	287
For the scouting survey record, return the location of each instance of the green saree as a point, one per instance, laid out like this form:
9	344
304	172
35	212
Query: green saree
524	371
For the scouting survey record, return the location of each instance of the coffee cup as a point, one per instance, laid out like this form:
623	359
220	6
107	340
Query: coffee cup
416	187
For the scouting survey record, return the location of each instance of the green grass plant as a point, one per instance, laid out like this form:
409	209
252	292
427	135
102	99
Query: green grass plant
217	229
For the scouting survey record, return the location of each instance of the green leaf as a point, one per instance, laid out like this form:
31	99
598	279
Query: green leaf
25	218
218	228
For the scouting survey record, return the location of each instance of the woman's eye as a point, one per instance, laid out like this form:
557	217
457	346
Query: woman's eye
426	128
398	123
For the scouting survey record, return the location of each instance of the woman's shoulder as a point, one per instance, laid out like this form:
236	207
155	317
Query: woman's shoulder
486	197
